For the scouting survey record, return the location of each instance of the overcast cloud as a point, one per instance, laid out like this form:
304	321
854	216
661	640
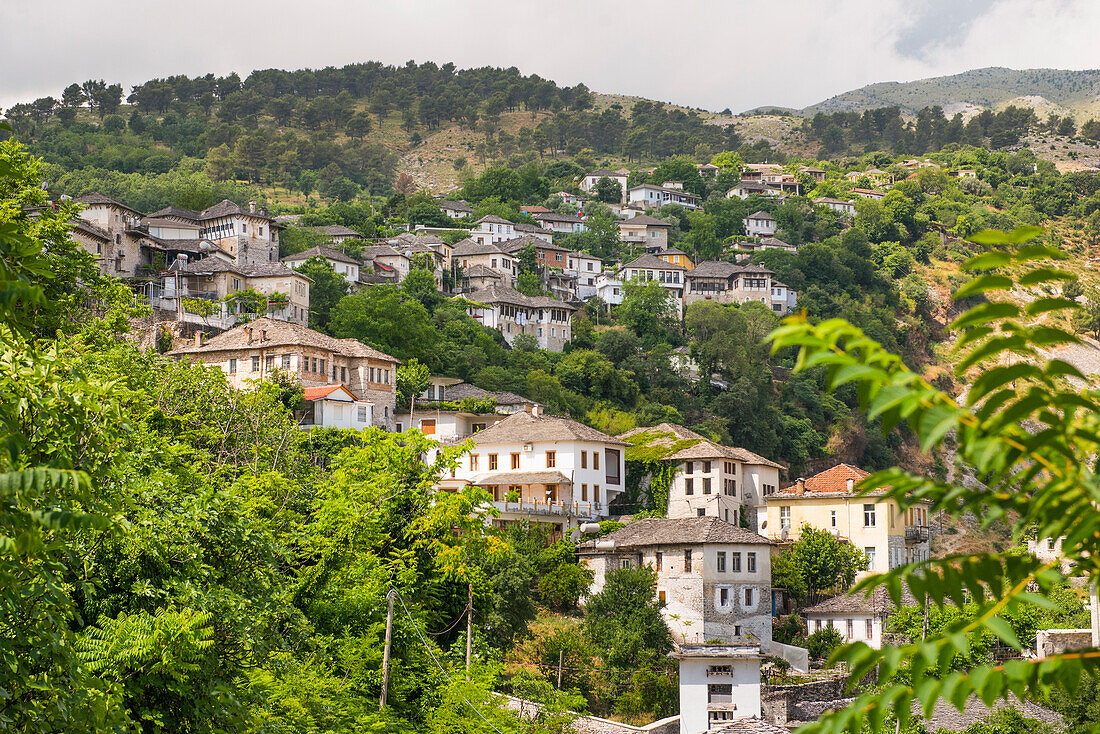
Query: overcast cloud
721	53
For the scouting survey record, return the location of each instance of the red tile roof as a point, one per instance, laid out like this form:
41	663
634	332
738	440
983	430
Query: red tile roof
315	393
833	480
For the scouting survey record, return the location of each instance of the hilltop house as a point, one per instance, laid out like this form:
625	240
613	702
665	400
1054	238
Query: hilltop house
544	469
512	313
650	267
334	406
253	351
875	175
215	280
455	209
344	265
726	282
760	224
587	269
387	261
651	196
874	523
645	232
711	480
673	256
713	577
815	173
619	176
560	223
837	205
338	233
469	255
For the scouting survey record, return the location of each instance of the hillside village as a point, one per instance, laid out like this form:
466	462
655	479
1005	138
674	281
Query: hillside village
554	387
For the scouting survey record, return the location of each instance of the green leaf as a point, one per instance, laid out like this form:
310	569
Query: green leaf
1045	305
988	260
1003	630
1017	236
983	284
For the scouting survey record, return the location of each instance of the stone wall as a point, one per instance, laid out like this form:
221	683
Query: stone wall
1058	641
780	704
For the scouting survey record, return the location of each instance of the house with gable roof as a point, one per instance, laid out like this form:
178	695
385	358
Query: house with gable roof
760	224
512	313
341	262
255	350
874	523
727	282
645	232
620	176
334	406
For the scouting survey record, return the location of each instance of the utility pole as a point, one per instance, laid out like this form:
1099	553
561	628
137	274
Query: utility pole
386	650
469	629
561	654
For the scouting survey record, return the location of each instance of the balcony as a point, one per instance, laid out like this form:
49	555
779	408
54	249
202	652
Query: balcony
561	509
917	533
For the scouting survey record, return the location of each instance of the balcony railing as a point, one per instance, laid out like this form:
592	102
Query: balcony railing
917	533
540	507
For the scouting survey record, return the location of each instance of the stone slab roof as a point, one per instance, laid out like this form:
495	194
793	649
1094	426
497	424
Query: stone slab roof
652	262
94	197
679	531
645	220
525	428
282	334
328	253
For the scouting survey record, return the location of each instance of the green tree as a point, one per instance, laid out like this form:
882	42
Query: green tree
817	562
413	379
609	190
647	309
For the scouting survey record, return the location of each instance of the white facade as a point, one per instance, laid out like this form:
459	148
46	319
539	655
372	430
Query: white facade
837	205
349	271
718	683
587	269
609	288
760	224
339	409
588	183
651	196
446	426
856	626
491	230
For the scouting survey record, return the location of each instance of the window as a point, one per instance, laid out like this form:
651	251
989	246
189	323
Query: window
595	493
596	460
551	459
492	462
817	625
701	512
515	461
232	366
736	562
314	365
687	561
706	467
427	427
255	364
343	373
551	493
660	557
689	486
870	551
785	517
832	518
870	629
1050	543
721	561
613	467
723	597
584	493
868	516
706	485
625	563
689	467
322	370
286	361
372	378
748	597
661	596
584	460
737	630
362	413
751	561
269	362
850	629
473	462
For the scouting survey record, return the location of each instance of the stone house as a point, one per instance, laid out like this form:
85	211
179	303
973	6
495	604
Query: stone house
215	279
253	351
760	224
455	209
385	260
512	313
560	223
338	233
469	253
876	524
840	206
727	282
713	577
646	232
547	254
652	268
492	229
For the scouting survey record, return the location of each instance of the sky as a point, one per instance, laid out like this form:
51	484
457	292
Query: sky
717	54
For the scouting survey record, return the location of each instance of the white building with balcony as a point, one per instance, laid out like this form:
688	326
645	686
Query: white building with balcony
719	685
652	196
545	469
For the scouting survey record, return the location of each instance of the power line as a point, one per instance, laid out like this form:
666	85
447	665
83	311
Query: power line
438	664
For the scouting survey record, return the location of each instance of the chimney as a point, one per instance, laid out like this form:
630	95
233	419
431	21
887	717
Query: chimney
198	338
800	486
252	207
851	484
248	331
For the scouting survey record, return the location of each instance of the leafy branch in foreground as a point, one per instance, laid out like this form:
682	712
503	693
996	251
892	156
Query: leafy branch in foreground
1031	439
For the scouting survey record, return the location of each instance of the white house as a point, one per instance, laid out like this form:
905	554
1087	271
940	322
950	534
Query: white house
837	205
719	684
338	233
610	288
545	469
652	196
588	183
344	265
652	268
760	224
560	223
868	194
713	577
335	406
711	480
745	189
455	209
858	618
493	229
587	269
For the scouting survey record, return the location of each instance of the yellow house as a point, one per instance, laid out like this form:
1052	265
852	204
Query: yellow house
875	524
672	256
